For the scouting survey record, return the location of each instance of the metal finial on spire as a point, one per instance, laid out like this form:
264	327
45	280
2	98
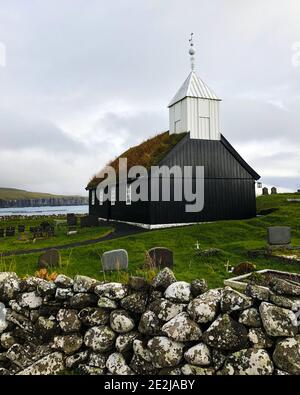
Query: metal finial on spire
192	52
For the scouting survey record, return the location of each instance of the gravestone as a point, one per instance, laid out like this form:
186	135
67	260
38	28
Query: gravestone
265	191
50	231
49	259
160	257
273	191
38	232
21	228
71	219
279	236
1	232
10	231
114	260
88	221
44	226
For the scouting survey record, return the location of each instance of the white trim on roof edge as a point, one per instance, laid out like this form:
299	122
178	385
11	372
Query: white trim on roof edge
156	226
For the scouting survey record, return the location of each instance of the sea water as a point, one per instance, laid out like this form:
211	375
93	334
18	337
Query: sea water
45	211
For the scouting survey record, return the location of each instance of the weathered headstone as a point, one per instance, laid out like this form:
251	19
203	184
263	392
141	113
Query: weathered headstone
38	232
279	235
273	191
115	260
160	257
44	226
265	191
50	231
49	259
89	220
71	219
21	228
10	231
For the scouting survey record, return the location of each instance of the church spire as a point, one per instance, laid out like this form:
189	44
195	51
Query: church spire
195	107
192	52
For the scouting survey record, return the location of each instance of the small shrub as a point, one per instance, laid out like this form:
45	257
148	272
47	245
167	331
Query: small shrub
44	275
150	264
244	268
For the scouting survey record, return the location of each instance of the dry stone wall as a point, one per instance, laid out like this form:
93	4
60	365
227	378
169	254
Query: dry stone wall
168	327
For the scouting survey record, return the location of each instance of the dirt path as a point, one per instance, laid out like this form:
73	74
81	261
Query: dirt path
121	230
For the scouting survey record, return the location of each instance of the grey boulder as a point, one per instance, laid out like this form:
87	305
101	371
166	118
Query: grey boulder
226	334
287	355
165	352
250	362
181	328
278	321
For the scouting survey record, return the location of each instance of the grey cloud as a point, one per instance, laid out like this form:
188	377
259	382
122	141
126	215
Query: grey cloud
132	128
292	183
65	58
21	132
257	120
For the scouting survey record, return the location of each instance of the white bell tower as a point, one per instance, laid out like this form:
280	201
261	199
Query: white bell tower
195	107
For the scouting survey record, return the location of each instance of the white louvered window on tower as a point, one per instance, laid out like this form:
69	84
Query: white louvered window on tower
113	195
204	127
128	194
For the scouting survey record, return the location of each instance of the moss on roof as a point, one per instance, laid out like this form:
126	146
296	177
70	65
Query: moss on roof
147	154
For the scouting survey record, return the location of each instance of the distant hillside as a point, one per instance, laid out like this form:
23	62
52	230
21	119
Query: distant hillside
11	197
17	194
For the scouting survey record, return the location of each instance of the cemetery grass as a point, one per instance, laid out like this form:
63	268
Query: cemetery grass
233	238
60	238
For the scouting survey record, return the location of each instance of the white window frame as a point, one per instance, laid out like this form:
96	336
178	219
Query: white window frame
113	195
128	195
93	197
101	195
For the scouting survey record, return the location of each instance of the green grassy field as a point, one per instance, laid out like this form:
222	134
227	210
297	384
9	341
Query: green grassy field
233	238
61	238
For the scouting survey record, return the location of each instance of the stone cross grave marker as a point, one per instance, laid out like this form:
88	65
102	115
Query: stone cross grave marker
114	260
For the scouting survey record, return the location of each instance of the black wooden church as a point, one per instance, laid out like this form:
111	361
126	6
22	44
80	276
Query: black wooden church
194	139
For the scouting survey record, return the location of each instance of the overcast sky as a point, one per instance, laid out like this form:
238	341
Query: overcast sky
86	79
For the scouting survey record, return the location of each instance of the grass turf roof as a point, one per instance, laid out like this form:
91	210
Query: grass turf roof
147	154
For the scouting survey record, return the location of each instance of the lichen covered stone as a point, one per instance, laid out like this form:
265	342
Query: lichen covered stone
248	363
165	352
181	328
